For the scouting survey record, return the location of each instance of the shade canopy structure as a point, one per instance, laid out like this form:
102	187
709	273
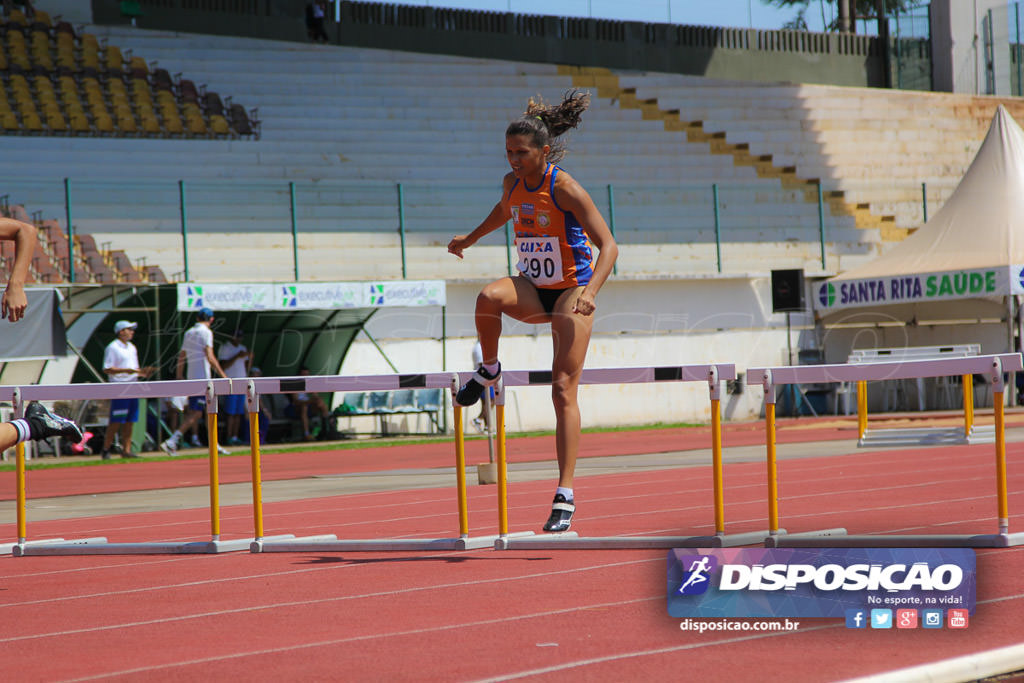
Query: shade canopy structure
972	248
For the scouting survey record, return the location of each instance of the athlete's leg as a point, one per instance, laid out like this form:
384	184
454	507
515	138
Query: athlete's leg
570	334
513	296
8	436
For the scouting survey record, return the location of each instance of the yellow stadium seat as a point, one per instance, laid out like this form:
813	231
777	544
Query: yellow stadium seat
79	123
8	120
55	121
126	122
149	123
41	20
31	122
196	125
113	58
104	124
17	18
172	120
219	124
91	60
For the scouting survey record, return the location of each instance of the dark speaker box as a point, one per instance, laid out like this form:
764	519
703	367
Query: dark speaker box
788	291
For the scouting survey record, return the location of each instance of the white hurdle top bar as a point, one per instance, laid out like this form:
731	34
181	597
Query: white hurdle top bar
315	383
904	369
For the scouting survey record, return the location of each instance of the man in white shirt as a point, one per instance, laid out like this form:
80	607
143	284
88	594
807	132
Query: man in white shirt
235	360
197	356
121	363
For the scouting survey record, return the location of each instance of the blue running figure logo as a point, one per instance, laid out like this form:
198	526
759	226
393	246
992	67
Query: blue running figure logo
697	578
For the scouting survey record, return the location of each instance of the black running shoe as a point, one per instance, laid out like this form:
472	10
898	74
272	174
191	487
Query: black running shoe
43	424
472	390
561	514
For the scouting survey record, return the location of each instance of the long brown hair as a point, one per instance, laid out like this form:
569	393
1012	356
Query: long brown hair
543	124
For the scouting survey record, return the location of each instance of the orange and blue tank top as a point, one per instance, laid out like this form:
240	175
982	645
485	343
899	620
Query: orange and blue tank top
554	251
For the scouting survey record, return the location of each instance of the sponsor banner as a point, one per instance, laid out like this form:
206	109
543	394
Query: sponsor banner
221	297
902	289
1017	279
310	295
817	582
405	293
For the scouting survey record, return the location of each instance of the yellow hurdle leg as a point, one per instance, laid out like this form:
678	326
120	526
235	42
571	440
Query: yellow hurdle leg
1004	508
211	440
862	408
773	484
460	472
20	456
967	382
257	494
716	465
502	472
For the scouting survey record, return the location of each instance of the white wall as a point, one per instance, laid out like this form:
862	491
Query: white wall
958	47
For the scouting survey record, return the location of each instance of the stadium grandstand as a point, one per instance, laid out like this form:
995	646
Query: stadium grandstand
161	145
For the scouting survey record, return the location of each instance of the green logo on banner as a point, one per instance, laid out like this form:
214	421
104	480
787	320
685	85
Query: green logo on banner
194	296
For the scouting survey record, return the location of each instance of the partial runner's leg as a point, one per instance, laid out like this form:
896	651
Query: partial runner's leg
512	296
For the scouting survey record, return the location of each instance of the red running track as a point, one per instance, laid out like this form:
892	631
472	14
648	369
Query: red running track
487	615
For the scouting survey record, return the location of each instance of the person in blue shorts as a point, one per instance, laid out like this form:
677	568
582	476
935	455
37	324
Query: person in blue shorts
121	363
235	358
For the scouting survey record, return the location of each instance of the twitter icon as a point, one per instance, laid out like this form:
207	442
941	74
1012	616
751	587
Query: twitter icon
881	618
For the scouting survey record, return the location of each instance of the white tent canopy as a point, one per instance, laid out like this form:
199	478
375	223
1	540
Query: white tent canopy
972	248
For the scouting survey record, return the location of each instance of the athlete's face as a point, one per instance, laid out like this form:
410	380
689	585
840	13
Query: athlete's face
525	157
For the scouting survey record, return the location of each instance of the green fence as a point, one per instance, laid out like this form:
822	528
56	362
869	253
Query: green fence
718	214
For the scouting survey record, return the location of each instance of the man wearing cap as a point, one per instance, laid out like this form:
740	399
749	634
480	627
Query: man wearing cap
121	363
197	357
235	359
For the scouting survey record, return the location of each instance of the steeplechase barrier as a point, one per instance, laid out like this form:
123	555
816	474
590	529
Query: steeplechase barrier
712	374
992	365
211	389
330	542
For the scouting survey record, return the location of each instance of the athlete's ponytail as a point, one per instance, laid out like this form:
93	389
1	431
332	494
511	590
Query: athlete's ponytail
545	123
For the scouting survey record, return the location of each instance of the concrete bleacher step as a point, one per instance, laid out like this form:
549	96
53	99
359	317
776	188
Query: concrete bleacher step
364	130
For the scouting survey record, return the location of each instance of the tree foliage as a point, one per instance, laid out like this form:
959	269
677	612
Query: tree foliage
859	9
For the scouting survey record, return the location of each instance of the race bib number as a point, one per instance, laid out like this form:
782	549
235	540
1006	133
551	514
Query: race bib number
540	259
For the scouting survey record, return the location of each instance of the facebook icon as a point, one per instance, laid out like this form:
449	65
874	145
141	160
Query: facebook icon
856	618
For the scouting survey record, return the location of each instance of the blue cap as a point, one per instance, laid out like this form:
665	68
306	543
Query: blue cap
204	313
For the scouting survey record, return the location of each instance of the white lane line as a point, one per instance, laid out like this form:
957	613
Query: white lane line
208	582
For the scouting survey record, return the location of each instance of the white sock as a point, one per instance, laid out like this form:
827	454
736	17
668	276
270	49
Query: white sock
565	492
175	437
24	431
492	368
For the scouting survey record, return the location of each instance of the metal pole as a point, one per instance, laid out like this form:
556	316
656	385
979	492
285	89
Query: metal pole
1016	48
295	231
401	224
924	200
611	220
184	225
71	231
821	225
718	227
508	247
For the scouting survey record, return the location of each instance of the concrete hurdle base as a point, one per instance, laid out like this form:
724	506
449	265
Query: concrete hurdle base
17	549
570	540
822	538
330	544
100	546
904	541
